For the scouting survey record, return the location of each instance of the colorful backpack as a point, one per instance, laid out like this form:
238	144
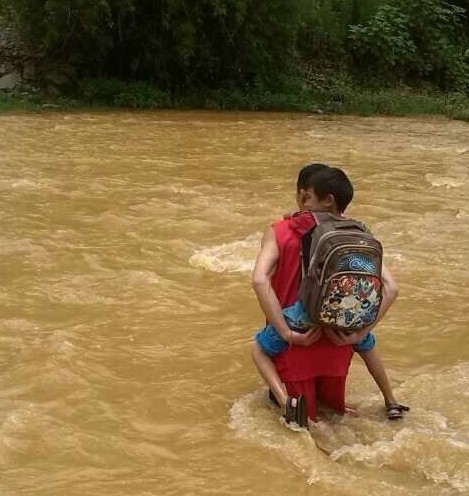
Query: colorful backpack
341	285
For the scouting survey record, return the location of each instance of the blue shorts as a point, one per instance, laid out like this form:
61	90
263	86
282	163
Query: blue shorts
366	344
298	320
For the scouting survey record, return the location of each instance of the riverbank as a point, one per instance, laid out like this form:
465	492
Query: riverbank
331	100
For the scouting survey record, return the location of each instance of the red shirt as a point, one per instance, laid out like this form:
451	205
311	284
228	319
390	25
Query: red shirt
286	278
323	358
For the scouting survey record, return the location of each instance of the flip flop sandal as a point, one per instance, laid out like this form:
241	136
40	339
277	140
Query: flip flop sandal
298	413
394	411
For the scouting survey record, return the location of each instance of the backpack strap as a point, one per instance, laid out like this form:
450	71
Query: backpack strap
304	252
321	217
306	241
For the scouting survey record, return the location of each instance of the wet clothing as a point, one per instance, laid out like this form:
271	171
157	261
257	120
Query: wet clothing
366	344
271	341
318	369
327	391
298	320
287	276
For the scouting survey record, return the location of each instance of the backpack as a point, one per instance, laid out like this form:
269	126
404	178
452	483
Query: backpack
341	285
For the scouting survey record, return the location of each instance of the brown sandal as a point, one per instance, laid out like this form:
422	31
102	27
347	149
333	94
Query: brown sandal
394	411
298	413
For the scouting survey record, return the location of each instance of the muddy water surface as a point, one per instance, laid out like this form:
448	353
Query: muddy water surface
126	241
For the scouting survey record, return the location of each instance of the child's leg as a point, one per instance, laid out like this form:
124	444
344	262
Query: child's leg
267	370
294	406
375	367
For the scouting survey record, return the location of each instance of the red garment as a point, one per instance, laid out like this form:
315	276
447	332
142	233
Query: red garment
317	367
286	278
323	358
329	392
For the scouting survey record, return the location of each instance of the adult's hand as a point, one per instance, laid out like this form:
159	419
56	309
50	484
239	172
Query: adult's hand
306	339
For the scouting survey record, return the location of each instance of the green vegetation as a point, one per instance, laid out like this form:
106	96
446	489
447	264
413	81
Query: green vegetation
343	100
355	56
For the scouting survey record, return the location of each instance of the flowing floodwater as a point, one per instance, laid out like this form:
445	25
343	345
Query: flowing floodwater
126	243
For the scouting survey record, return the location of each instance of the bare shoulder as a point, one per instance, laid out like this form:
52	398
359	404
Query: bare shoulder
268	237
267	256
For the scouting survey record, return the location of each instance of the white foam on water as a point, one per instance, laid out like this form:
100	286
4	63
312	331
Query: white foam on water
26	184
445	149
237	256
251	418
314	134
447	182
427	453
396	256
435	456
254	421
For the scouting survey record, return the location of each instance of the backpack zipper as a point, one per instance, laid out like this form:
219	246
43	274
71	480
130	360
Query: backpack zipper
330	234
355	245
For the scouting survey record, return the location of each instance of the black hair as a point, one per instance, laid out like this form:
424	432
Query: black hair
305	174
326	180
333	181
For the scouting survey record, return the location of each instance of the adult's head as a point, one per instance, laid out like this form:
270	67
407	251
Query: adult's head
323	188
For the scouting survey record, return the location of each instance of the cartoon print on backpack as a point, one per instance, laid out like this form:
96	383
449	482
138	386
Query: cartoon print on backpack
331	312
351	301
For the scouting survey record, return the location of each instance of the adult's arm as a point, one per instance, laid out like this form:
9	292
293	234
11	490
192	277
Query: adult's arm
265	266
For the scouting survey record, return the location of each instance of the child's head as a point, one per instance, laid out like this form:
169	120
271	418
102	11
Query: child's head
305	174
323	188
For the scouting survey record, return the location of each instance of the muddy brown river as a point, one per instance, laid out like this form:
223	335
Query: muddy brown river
126	244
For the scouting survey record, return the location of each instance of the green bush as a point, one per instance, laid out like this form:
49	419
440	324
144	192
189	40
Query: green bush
415	42
384	45
113	92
